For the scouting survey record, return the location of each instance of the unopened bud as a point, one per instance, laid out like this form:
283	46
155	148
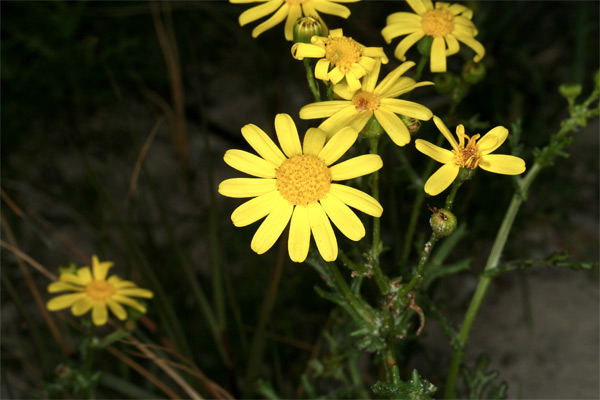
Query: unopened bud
445	82
473	72
442	222
570	90
305	28
412	124
372	129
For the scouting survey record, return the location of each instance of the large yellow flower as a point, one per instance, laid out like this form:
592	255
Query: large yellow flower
297	184
292	10
349	59
93	291
359	106
468	152
447	24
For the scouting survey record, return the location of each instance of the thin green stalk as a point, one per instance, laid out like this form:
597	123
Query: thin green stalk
88	361
311	80
450	199
418	275
420	66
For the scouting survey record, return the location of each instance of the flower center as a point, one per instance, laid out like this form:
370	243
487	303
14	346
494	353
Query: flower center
437	23
365	101
99	290
303	179
342	52
468	156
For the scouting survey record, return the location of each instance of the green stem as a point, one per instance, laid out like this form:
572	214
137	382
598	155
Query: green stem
418	275
88	362
450	199
311	80
420	66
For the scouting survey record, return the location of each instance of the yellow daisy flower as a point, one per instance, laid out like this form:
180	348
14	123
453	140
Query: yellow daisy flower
470	153
290	10
359	106
93	291
297	186
447	24
349	59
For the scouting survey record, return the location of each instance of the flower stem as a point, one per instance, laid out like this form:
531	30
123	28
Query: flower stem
418	275
420	66
311	80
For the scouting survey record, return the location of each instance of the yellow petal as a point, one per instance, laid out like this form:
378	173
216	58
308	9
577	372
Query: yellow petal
272	21
307	50
117	309
370	80
259	11
355	167
99	314
253	210
456	9
82	306
299	240
328	7
406	44
272	227
452	45
393	30
129	302
473	44
338	120
323	109
353	82
60	286
246	187
438	55
322	69
393	77
339	143
335	75
356	199
367	61
262	144
393	125
405	85
314	140
117	283
502	164
492	140
343	218
342	90
442	127
420	6
249	163
322	232
287	134
404	18
100	268
294	13
406	108
437	153
136	292
441	179
64	301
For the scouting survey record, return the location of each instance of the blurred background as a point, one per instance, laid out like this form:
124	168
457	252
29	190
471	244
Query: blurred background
115	118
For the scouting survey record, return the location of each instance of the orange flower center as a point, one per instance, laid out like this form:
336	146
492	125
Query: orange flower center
468	156
342	52
365	101
99	290
303	179
437	23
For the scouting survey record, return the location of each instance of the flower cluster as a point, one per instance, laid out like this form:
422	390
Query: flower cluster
299	185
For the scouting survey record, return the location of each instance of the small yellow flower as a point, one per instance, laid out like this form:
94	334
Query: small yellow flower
447	24
290	10
359	106
298	185
93	291
349	59
469	153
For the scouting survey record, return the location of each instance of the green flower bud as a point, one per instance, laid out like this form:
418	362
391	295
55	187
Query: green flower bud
305	28
570	90
445	82
473	72
424	46
465	174
372	129
442	221
70	268
412	124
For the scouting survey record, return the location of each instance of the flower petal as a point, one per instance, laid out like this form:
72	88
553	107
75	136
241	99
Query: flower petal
246	187
452	45
253	210
129	302
392	78
420	6
322	232
438	55
406	108
60	286
328	7
339	143
323	109
437	153
294	13
117	309
99	314
355	167
442	127
262	144
257	12
287	134
343	218
472	43
393	125
314	140
370	80
64	301
322	69
456	9
404	18
335	75
299	240
353	82
405	85
249	163
406	44
487	144
272	21
272	227
502	164
441	179
356	199
136	292
308	50
82	306
100	268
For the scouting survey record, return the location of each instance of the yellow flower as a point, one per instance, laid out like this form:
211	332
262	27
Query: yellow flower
93	291
292	10
447	24
297	185
358	107
469	153
349	59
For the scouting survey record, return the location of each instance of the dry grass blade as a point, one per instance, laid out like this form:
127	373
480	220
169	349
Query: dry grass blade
142	156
